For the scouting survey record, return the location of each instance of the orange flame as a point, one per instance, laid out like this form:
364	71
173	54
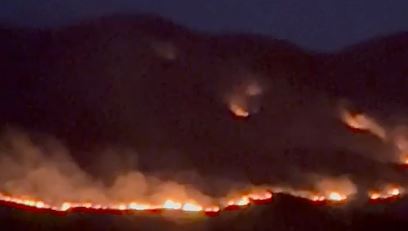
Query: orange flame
170	204
336	197
363	122
386	193
404	159
139	207
243	200
238	110
192	207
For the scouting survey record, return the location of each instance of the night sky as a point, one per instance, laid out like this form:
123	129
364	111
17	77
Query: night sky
315	24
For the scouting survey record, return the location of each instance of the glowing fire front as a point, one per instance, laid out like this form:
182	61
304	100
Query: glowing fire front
238	110
388	192
169	204
364	123
237	201
335	196
394	136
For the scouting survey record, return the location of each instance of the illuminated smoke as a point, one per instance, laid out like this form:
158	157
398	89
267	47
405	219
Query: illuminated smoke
336	189
386	192
45	176
363	122
240	99
400	140
165	50
253	89
238	108
47	172
396	137
244	198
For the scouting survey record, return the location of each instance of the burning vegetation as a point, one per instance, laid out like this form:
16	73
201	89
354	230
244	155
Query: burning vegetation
45	177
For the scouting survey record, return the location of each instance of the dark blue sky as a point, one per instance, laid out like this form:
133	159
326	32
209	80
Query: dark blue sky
315	24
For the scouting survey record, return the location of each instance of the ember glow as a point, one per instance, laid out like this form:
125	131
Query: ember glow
192	207
405	160
317	197
139	207
394	136
243	201
388	192
238	110
239	100
66	206
253	89
335	196
57	183
236	202
260	196
364	123
401	144
169	204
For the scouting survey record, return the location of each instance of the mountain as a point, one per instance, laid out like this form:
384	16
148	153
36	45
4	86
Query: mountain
95	74
377	68
168	92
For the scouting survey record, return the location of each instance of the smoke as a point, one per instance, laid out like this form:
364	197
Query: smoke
393	136
341	185
243	98
365	123
400	140
42	168
310	151
292	136
46	171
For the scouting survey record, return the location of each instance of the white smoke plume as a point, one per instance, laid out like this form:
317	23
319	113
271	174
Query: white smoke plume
47	172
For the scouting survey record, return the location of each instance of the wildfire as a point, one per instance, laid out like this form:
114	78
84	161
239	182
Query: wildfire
169	204
139	207
65	206
253	89
330	190
316	198
237	110
260	196
236	201
239	102
243	201
336	197
401	145
363	122
386	193
191	206
396	136
403	158
187	207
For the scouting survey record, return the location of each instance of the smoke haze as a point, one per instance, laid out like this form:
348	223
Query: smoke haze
142	109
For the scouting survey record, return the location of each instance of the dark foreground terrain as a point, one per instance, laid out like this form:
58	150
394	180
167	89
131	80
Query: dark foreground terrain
284	213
